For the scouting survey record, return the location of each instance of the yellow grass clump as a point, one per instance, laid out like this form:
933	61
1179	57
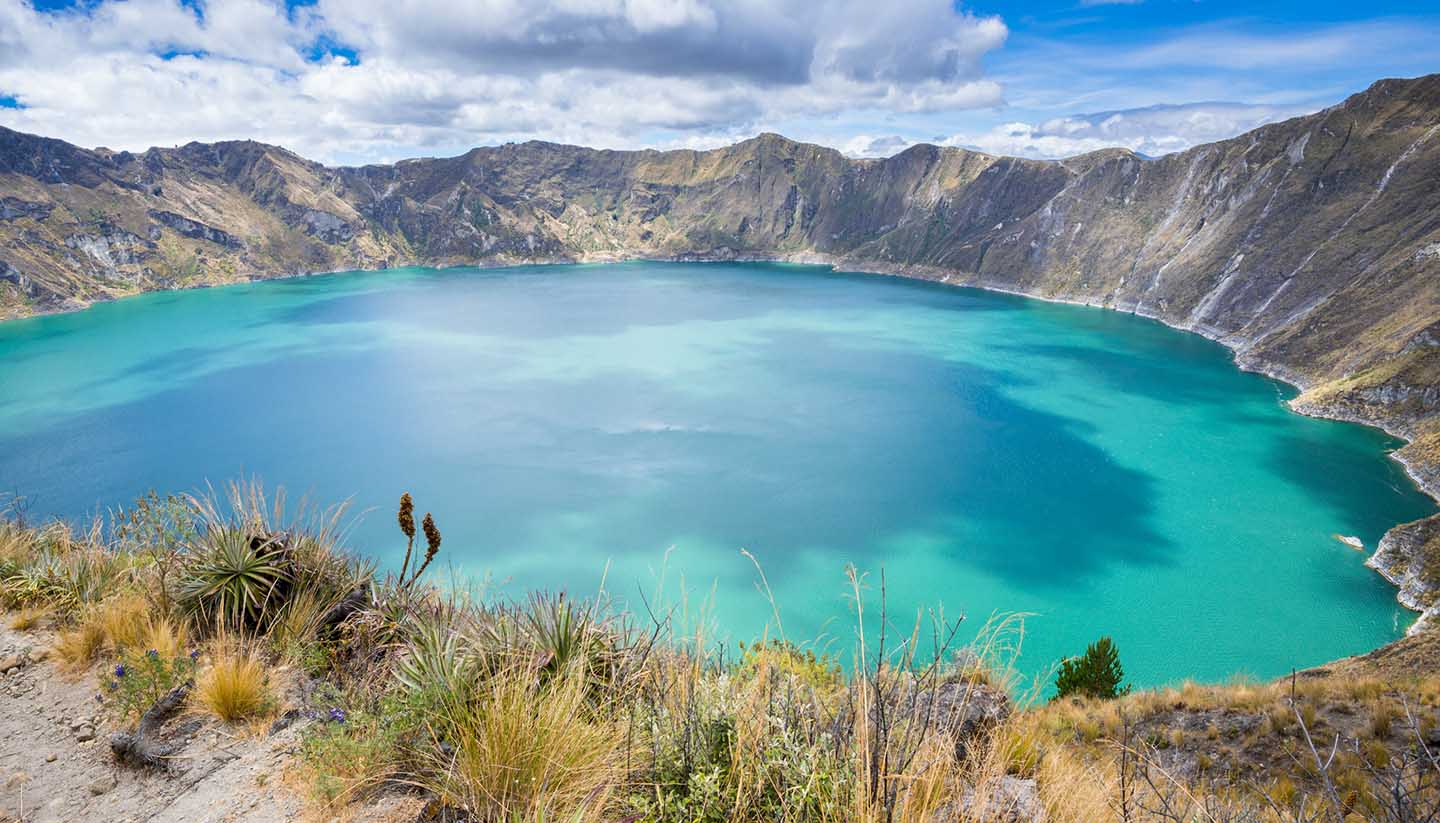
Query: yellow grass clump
164	635
528	750
26	619
123	620
79	646
234	686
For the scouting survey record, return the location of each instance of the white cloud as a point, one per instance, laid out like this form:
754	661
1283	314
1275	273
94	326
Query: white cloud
1154	130
865	145
436	74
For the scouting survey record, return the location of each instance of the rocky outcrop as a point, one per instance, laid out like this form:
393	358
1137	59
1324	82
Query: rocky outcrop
192	229
1409	557
13	208
1308	246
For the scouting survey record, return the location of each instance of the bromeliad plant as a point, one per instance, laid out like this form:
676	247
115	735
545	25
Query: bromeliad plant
235	578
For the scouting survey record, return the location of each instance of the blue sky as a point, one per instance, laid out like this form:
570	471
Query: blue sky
354	81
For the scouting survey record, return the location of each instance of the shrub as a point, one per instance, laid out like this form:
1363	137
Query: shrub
817	671
1096	673
234	687
347	758
160	530
138	679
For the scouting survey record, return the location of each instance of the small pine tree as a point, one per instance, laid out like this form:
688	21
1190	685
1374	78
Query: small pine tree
1096	673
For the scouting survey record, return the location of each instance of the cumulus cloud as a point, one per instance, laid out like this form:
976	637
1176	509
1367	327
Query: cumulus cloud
1154	130
377	79
865	145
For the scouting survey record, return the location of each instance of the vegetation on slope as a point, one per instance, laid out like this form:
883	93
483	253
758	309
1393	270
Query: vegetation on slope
555	708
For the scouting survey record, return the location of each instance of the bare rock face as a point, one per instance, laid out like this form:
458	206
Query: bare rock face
964	710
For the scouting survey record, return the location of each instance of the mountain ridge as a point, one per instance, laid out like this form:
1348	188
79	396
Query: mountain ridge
1310	246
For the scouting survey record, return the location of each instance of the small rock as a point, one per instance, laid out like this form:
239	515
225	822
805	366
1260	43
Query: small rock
102	785
78	723
50	758
85	734
1353	542
1006	800
11	661
284	721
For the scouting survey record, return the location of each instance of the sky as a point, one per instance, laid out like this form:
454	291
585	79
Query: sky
361	81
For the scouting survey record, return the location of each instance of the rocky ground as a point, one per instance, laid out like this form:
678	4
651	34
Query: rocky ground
56	763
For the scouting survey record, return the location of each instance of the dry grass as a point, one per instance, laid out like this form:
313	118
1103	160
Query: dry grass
1074	789
17	544
165	635
234	687
574	719
123	619
27	618
78	647
522	750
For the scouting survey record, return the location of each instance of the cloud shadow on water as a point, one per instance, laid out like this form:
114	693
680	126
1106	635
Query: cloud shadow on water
820	446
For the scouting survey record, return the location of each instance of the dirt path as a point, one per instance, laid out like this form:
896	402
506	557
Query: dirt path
56	765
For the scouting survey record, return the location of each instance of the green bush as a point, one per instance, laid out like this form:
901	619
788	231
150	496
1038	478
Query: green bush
138	680
1096	673
350	753
818	671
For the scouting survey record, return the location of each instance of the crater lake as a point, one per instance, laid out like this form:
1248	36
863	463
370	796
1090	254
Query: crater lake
645	422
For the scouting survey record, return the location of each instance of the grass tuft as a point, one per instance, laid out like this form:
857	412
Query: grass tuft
525	748
123	619
27	618
80	646
234	686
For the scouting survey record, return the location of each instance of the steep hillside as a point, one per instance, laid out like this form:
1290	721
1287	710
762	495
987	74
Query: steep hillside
1312	246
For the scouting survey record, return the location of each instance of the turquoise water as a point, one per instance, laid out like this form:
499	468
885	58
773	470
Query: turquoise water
989	452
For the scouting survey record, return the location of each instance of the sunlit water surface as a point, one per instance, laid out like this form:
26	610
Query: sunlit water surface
1103	472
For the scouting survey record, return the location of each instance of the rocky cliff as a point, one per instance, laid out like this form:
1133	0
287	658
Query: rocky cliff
1409	557
1312	246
